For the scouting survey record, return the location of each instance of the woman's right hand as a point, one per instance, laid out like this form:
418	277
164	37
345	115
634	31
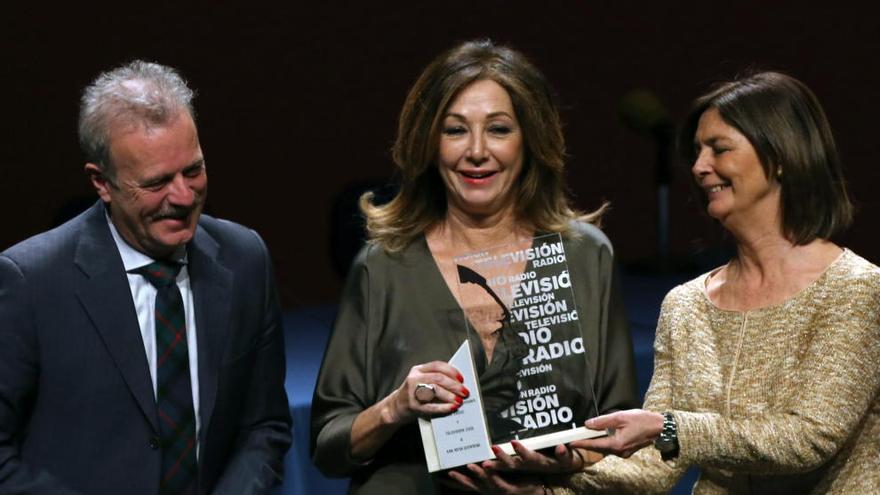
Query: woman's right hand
376	424
631	431
449	393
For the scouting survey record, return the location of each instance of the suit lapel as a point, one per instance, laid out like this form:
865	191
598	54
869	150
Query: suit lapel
106	297
212	293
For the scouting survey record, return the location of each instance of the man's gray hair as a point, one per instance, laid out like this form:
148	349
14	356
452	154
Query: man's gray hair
137	93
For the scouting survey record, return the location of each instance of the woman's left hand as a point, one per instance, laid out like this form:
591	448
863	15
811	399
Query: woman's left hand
564	460
493	482
489	477
631	431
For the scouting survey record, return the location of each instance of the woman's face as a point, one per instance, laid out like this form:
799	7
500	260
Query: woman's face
729	172
481	150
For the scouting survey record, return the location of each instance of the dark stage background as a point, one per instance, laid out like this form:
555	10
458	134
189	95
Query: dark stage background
296	103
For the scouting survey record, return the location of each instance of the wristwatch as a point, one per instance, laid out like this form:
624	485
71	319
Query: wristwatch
667	442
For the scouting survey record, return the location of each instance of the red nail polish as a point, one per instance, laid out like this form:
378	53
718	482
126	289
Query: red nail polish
467	393
455	407
458	400
460	378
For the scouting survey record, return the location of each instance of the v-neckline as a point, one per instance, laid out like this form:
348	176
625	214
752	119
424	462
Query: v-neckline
447	290
470	330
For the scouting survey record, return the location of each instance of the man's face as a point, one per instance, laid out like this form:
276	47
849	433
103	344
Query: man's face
159	186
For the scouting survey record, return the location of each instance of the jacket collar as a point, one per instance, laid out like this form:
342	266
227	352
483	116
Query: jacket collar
106	297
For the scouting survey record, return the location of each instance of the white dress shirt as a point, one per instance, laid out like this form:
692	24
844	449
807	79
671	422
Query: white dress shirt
144	296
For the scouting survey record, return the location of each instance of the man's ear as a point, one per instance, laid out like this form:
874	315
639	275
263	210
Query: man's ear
99	181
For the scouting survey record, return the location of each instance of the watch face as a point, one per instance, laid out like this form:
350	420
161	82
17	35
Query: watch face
667	442
665	445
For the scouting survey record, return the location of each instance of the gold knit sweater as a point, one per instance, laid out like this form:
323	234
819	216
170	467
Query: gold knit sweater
776	400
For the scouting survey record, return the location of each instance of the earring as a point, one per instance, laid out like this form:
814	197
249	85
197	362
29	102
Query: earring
778	173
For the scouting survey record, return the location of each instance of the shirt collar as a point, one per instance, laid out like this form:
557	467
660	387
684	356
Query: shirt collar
133	259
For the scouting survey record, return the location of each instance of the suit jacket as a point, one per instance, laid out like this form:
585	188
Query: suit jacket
77	411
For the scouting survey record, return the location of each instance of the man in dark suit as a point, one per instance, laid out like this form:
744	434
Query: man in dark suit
141	344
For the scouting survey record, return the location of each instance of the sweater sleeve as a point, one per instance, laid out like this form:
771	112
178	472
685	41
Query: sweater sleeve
644	472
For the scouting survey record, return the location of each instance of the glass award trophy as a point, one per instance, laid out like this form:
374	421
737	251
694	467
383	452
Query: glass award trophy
524	360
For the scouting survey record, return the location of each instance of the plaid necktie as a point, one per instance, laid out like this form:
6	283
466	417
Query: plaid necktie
177	426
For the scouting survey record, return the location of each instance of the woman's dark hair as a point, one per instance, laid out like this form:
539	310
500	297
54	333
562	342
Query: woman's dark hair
784	122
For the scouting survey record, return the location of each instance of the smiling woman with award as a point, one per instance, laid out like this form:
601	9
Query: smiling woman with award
766	373
461	256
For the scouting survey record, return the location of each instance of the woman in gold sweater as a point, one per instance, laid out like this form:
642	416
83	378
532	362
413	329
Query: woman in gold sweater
767	369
